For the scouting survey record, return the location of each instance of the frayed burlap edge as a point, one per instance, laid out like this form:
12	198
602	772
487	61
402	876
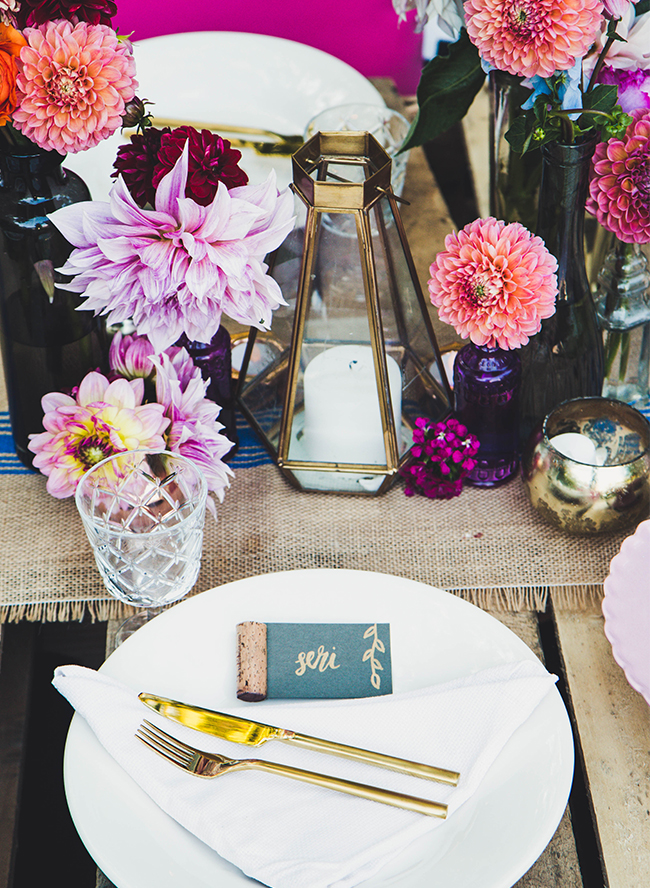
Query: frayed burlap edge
65	611
511	599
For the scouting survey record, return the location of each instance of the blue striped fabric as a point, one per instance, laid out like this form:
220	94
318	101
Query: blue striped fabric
9	462
251	451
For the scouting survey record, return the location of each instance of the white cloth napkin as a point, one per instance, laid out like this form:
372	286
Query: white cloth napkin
289	834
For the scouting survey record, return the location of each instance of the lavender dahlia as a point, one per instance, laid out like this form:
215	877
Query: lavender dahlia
194	430
176	268
173	380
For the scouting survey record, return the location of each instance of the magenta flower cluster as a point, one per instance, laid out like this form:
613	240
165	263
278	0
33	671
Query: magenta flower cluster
441	457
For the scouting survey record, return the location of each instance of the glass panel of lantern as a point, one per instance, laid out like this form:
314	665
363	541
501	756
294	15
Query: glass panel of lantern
352	359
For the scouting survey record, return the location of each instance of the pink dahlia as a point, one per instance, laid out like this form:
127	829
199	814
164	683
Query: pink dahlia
194	431
533	37
72	85
102	419
619	191
176	268
494	283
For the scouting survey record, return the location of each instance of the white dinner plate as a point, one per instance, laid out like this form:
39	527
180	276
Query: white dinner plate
189	653
232	78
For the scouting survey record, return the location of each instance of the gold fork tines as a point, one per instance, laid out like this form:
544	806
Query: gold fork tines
205	764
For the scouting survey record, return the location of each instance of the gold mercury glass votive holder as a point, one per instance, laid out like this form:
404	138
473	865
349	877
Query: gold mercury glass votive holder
587	469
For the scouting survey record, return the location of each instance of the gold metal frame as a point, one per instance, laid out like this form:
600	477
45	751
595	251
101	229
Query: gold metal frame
365	200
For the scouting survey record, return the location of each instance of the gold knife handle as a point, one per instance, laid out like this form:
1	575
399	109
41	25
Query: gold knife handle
373	793
379	759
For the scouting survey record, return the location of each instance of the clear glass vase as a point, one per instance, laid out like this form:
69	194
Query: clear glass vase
623	308
565	359
514	178
486	400
47	345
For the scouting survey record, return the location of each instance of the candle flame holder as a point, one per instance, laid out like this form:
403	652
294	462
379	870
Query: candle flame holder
587	468
357	360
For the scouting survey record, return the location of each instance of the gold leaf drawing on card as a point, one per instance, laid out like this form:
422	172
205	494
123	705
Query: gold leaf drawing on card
370	654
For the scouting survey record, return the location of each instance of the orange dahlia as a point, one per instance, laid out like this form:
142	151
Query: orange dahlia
11	43
533	37
72	85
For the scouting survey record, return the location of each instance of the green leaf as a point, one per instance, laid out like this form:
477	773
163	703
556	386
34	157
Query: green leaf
642	6
446	90
521	132
601	98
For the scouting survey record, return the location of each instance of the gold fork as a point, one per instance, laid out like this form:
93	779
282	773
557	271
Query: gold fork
206	764
280	143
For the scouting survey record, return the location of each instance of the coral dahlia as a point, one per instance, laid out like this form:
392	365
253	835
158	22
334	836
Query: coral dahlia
175	269
533	37
72	85
102	419
619	191
494	283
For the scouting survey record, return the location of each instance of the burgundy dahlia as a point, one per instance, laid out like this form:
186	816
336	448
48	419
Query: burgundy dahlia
136	162
37	12
211	160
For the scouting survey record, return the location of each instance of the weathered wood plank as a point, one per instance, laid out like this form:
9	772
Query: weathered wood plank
614	726
17	645
558	866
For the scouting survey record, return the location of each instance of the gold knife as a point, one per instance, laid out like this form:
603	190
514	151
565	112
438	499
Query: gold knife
242	730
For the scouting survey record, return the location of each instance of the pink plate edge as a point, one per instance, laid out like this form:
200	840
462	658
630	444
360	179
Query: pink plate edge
634	545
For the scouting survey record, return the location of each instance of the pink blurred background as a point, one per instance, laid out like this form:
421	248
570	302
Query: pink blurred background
363	33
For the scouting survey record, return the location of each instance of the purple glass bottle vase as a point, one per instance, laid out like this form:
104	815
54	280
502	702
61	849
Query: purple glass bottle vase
214	361
486	399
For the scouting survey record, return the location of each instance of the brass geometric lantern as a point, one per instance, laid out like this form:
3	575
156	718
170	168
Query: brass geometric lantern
352	361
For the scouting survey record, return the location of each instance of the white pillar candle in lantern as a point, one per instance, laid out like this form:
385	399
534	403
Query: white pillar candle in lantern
342	418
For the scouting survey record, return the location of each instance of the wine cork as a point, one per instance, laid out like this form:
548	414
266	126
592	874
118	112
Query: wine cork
251	662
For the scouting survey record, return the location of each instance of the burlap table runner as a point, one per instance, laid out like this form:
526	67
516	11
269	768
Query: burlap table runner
488	546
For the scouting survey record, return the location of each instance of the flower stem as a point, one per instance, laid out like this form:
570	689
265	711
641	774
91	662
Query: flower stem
611	37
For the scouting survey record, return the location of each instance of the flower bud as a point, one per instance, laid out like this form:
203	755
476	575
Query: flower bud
136	114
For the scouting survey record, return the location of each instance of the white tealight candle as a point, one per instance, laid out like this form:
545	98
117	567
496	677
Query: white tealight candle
577	447
342	418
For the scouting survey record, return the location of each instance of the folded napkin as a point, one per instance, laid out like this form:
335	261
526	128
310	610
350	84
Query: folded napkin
289	834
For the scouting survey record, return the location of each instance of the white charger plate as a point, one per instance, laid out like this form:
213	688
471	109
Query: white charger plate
232	78
189	653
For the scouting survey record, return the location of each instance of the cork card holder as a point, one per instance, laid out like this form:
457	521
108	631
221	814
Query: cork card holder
313	660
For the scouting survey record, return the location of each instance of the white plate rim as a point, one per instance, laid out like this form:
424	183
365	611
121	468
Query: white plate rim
201	101
80	736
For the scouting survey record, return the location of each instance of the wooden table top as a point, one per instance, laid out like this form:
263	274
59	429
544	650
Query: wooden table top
604	837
